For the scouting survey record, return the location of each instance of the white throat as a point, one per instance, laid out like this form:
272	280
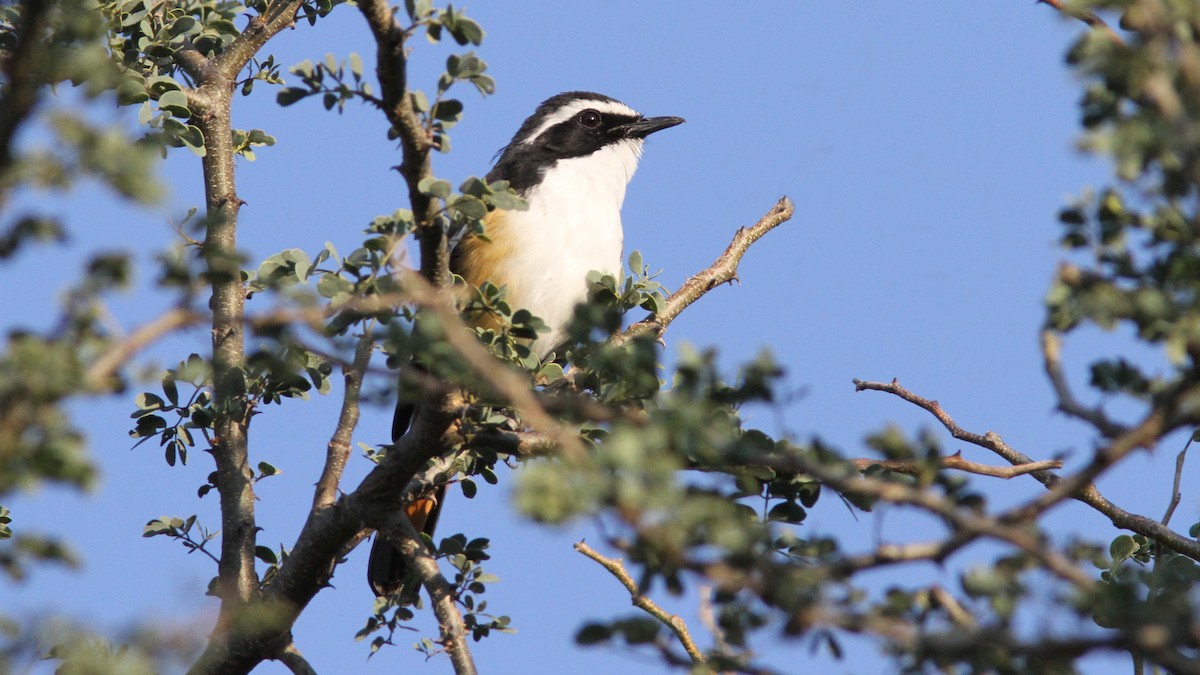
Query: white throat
572	226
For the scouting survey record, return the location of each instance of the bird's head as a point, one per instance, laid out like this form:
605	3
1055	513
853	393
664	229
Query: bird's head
595	132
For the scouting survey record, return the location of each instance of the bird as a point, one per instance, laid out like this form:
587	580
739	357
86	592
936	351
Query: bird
570	161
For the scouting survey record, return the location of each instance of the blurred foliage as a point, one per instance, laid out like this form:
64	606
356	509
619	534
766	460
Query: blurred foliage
697	502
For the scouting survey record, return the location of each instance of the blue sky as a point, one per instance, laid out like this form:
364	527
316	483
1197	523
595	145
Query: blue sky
927	146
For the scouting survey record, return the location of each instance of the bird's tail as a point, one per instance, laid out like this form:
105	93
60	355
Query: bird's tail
387	570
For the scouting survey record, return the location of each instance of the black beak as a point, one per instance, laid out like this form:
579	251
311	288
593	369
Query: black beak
646	126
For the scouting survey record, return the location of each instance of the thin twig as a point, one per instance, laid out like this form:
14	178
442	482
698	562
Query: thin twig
1175	493
639	600
957	463
721	271
1087	493
962	521
957	613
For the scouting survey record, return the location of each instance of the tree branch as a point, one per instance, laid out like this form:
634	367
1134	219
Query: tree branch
337	452
1175	494
391	62
514	388
104	368
957	463
1086	493
400	531
722	270
639	600
291	657
1067	403
279	14
962	522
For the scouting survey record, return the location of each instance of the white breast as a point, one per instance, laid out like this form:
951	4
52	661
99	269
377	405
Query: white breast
573	226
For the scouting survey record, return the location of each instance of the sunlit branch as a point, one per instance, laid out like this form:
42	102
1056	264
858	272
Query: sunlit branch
106	366
722	270
1085	492
957	463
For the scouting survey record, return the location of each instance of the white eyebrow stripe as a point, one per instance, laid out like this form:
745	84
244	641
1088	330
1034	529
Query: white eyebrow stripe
574	108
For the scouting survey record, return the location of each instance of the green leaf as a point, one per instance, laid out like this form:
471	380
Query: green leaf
468	207
159	84
193	138
593	634
266	555
635	262
174	102
148	401
435	187
290	95
1122	548
331	284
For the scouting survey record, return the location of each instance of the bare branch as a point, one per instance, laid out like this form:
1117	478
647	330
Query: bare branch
1175	494
639	600
1144	435
963	523
337	452
723	270
105	368
400	530
957	463
1086	493
1067	403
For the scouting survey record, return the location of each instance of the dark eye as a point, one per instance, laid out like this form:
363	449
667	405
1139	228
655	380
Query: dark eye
590	119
